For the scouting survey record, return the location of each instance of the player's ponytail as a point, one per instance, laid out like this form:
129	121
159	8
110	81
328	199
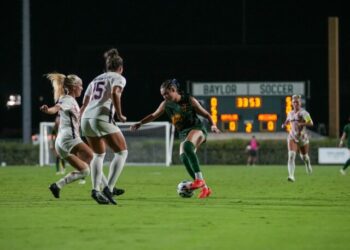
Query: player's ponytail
57	81
61	83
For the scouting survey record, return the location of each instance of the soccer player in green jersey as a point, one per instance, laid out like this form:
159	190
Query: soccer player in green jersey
182	109
345	135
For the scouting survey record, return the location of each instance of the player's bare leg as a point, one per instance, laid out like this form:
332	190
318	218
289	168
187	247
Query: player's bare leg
305	157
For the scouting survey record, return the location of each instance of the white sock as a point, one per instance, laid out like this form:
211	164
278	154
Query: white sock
198	175
73	176
291	163
104	181
116	168
96	170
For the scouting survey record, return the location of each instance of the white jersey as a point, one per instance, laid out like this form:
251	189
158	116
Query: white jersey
298	133
99	91
69	117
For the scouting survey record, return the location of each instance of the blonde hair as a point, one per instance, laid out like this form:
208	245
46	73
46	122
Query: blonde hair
297	98
62	84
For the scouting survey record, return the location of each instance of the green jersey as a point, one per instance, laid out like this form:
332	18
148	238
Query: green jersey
346	130
183	116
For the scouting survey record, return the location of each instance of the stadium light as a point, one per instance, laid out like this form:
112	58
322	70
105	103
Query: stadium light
13	101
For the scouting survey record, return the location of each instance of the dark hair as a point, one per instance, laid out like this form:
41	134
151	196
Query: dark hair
113	60
171	83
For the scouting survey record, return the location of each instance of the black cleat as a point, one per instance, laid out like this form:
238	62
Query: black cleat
109	195
55	190
118	191
99	197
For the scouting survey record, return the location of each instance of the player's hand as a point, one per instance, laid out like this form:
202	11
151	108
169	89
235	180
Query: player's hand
135	126
44	108
121	118
215	129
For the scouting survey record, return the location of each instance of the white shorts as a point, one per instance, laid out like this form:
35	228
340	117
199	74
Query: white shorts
300	141
98	128
64	145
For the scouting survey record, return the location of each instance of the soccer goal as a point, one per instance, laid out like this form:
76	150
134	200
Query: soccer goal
46	144
152	144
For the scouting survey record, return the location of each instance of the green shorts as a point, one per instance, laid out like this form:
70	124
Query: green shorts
183	133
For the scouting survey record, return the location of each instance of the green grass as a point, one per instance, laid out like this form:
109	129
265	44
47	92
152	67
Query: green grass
251	208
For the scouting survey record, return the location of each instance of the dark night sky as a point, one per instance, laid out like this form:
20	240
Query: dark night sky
188	40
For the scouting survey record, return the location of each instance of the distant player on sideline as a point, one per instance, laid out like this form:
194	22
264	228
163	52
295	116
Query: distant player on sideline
182	109
298	139
69	145
345	135
102	99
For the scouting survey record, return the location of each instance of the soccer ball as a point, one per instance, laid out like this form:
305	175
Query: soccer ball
184	190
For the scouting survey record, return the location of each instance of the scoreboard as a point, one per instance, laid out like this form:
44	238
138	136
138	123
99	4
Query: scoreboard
248	106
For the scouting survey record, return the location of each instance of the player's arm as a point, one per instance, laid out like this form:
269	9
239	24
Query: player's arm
201	111
116	99
50	110
151	117
342	138
307	121
86	101
286	121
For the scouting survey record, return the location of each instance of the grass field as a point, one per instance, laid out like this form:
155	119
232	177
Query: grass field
251	208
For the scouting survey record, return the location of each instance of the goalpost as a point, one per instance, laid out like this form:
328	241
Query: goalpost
152	144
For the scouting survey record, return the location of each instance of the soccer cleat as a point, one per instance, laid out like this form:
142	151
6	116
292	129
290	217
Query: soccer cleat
197	183
206	192
82	181
342	171
118	191
99	197
109	195
55	190
291	179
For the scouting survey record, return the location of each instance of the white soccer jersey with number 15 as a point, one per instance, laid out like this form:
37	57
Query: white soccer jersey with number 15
99	90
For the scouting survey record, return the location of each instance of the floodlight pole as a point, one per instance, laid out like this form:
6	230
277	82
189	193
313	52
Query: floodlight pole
26	74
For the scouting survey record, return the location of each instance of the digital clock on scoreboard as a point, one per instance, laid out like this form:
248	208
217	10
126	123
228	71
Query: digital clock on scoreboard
248	106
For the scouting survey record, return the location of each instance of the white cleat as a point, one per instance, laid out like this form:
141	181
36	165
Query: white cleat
342	171
82	181
291	179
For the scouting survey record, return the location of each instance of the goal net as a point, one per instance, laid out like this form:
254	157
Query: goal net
152	144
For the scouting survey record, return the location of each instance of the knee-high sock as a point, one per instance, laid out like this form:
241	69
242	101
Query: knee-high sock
291	163
116	167
73	176
346	165
191	155
96	165
104	181
187	164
